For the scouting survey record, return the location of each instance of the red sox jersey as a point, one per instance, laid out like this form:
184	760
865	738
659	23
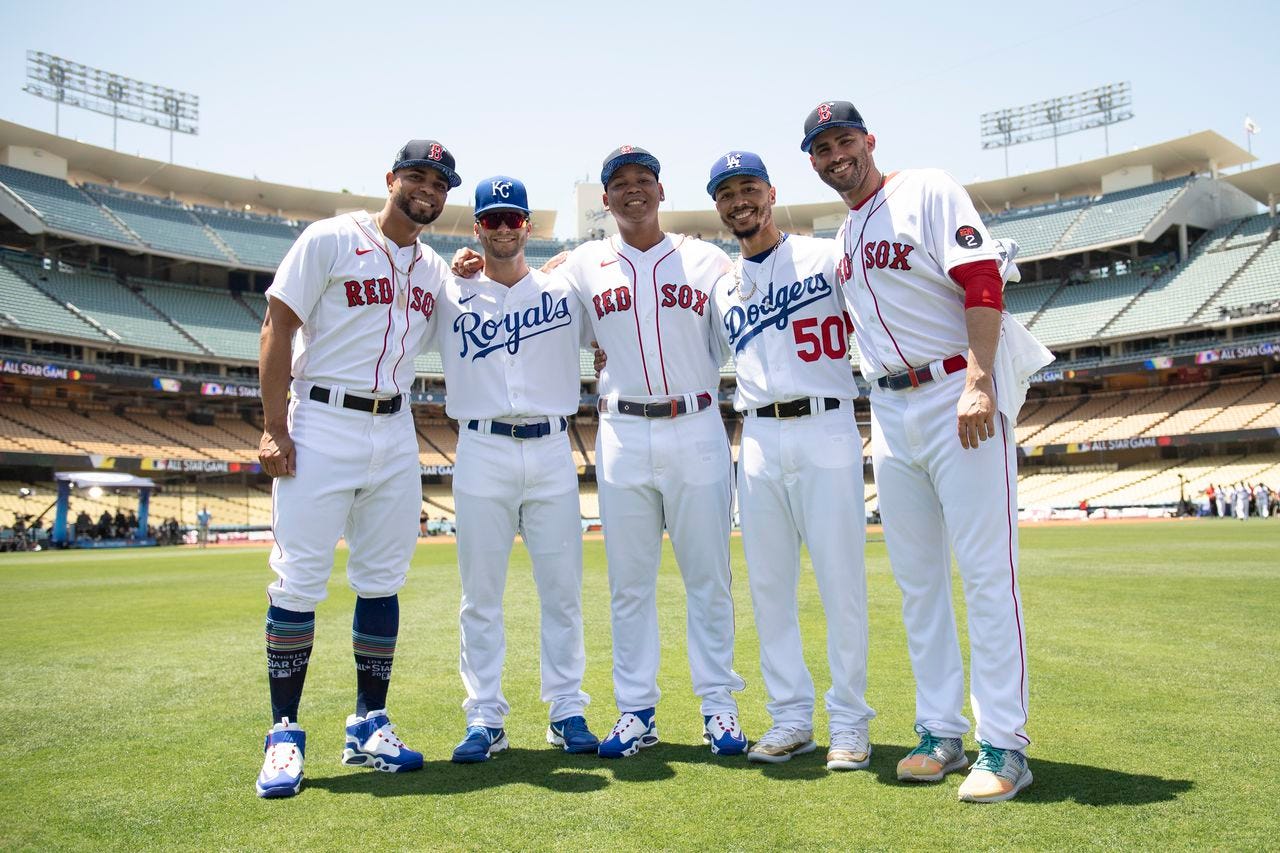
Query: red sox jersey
651	312
510	352
898	248
784	320
367	305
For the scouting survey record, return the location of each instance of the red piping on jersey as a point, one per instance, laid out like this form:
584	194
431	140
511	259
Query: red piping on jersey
635	311
394	287
884	179
405	334
865	278
1013	578
657	314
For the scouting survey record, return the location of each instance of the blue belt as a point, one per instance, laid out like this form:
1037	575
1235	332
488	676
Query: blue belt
519	431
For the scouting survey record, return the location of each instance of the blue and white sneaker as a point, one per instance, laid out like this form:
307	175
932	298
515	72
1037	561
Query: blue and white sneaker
633	731
572	733
281	774
372	742
479	745
724	734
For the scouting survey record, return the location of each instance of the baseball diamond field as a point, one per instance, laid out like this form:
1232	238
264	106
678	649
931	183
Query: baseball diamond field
135	706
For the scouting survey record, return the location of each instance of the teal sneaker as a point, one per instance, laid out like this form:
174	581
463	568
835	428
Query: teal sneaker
998	774
934	758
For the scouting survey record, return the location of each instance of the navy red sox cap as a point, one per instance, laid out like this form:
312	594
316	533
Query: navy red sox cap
625	154
732	165
827	115
417	153
501	193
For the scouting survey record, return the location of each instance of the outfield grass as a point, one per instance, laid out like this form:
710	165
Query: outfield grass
135	703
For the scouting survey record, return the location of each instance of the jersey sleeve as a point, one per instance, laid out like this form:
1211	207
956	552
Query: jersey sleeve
304	273
954	233
717	340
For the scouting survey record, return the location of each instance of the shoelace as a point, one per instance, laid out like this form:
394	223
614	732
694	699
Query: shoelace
780	735
928	743
850	740
989	758
623	722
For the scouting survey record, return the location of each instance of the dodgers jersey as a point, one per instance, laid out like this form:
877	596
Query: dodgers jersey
651	312
509	352
363	319
788	331
898	248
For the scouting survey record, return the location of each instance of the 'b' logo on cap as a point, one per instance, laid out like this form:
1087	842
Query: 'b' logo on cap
626	149
733	161
824	112
502	188
435	152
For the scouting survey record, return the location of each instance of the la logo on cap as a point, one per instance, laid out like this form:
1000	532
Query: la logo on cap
733	161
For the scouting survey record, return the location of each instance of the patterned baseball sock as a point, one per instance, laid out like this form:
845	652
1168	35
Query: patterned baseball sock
373	637
290	635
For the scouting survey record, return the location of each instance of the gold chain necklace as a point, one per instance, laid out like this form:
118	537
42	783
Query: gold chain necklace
742	271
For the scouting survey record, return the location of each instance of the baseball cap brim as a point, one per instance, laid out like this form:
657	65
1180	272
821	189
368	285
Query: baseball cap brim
450	175
825	126
639	158
749	171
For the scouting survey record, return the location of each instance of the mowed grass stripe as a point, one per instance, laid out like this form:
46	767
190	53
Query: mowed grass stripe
136	700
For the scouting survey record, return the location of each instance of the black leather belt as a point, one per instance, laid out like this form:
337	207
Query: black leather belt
519	431
388	406
916	376
665	409
795	408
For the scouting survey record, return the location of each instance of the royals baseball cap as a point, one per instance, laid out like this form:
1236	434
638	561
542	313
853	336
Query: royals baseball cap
827	115
625	154
417	153
732	165
501	193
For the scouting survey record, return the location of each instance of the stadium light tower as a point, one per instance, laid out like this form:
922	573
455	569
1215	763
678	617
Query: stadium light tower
1100	107
64	82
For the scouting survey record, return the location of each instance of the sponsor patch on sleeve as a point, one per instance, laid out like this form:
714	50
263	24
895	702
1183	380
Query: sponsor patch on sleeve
968	237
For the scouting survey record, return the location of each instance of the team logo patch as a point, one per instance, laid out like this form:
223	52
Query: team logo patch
824	113
626	149
733	161
968	237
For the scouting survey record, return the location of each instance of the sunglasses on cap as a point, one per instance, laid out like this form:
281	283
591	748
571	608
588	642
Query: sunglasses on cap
513	219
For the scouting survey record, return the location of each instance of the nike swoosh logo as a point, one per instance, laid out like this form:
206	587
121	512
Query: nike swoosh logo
606	263
363	251
466	299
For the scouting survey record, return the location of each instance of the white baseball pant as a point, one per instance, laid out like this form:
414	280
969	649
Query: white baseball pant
358	476
676	472
502	486
801	479
935	498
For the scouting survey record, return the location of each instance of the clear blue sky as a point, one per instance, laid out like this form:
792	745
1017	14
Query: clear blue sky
322	94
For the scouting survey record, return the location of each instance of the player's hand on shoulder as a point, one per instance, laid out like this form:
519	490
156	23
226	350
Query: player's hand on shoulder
976	411
555	262
466	263
276	453
599	358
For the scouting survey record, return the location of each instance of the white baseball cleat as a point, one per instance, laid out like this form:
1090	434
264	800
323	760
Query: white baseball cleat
780	743
850	750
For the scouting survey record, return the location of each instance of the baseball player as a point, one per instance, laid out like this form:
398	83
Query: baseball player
662	453
1241	498
351	306
509	340
1264	501
800	464
922	277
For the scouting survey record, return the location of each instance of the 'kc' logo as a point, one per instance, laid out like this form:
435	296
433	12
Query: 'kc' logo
502	188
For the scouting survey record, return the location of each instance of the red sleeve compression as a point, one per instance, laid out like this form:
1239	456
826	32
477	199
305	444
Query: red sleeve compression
982	285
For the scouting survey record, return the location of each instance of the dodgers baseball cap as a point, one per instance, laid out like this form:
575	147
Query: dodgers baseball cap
827	115
732	165
625	154
417	153
501	193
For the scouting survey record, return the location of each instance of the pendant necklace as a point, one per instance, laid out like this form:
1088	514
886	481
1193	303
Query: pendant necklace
742	271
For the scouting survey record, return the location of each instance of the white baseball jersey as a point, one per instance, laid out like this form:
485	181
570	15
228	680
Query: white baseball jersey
651	313
899	246
510	352
786	325
366	304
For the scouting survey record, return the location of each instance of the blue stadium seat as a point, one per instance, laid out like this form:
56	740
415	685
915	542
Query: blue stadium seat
24	307
63	207
163	225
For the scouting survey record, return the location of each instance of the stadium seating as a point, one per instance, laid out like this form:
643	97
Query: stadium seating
257	241
1076	313
25	307
222	325
1256	283
1171	300
62	206
161	224
1036	233
1254	229
104	299
1120	215
1024	301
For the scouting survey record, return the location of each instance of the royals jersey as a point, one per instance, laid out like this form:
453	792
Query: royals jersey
367	305
784	321
510	352
898	248
651	312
